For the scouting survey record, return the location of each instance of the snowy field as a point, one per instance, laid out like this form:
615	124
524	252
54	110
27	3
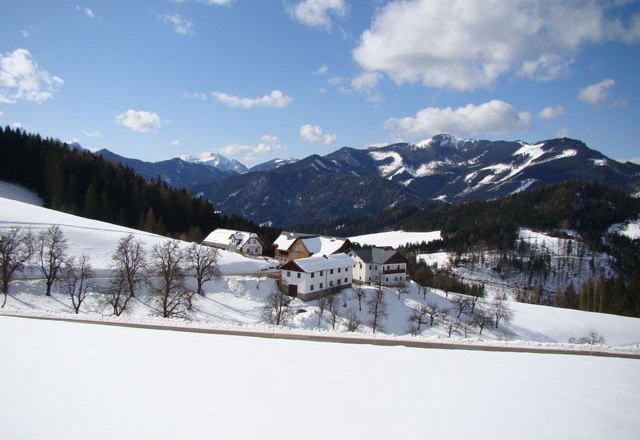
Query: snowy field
395	238
72	381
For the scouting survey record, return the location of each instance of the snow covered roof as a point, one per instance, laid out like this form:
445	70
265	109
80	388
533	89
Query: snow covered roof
315	264
378	255
228	237
286	239
315	244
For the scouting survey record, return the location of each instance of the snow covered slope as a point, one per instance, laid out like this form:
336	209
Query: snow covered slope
395	238
69	381
95	238
238	298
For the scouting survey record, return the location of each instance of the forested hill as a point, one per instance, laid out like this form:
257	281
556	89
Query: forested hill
81	183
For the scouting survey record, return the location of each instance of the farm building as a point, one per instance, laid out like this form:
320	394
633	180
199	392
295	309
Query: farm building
313	277
246	243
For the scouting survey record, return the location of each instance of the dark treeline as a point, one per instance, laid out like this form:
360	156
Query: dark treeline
588	208
82	183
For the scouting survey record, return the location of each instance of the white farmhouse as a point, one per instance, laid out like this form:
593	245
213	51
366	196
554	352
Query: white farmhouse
378	265
313	277
247	243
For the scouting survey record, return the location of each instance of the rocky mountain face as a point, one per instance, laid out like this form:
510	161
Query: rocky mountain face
350	183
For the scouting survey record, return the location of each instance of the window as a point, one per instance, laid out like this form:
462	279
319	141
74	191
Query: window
346	280
338	281
331	271
311	289
321	272
313	274
360	265
288	274
298	274
320	285
339	269
330	283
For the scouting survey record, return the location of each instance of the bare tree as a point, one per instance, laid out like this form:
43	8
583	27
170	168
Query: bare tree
417	318
52	252
76	279
118	296
173	299
501	311
402	288
276	310
465	326
360	294
323	303
353	323
203	260
451	324
129	262
482	318
376	307
462	303
434	311
16	249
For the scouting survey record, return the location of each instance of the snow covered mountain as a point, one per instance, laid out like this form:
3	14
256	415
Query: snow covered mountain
450	169
272	164
217	161
175	172
442	168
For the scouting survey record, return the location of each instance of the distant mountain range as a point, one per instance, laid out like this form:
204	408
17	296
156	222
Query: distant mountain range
359	182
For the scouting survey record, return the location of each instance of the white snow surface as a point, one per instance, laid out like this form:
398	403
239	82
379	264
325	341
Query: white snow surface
16	192
629	229
99	239
395	238
78	381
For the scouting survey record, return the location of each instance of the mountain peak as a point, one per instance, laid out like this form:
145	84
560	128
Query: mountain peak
443	140
215	160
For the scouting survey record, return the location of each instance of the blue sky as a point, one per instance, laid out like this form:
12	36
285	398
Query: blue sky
259	79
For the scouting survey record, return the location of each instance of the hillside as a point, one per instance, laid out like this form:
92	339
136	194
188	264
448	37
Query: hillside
239	297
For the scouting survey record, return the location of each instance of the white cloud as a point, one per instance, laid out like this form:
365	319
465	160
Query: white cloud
253	153
180	25
596	93
551	112
27	33
195	95
493	117
22	79
563	132
322	70
140	120
86	11
317	13
469	44
275	99
366	81
315	134
92	133
175	143
17	125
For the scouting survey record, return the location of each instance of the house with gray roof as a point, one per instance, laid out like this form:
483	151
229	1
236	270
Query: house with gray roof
378	265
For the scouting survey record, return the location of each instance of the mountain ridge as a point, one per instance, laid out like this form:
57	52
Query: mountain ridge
442	168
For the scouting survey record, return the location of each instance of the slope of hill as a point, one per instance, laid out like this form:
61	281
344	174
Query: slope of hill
237	299
67	379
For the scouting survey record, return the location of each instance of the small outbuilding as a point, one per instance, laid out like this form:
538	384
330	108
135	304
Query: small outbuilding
313	277
246	243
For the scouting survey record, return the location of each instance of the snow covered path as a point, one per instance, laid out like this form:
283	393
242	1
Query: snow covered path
70	381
